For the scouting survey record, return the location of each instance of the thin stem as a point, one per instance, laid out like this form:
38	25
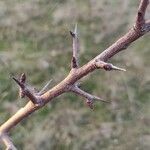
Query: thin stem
75	48
8	142
45	87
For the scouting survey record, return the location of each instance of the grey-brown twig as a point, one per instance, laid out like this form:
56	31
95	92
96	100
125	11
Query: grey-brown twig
89	98
24	90
8	142
140	19
75	48
69	84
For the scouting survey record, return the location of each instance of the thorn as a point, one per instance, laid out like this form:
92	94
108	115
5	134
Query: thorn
21	85
45	87
74	34
23	78
109	67
117	68
18	82
100	99
75	29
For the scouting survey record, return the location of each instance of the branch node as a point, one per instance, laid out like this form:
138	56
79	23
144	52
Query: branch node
74	63
107	66
39	103
72	34
21	83
89	98
26	91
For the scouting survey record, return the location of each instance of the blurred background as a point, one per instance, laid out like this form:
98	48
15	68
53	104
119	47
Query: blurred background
34	38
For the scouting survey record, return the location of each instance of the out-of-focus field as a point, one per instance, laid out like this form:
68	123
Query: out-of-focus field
34	38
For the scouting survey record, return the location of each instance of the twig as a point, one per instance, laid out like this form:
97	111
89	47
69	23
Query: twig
8	142
140	19
24	91
75	48
37	101
89	97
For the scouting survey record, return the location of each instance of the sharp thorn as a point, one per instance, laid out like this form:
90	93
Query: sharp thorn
23	78
18	82
97	98
75	29
100	99
117	68
45	87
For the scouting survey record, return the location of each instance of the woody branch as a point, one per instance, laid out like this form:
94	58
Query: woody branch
71	82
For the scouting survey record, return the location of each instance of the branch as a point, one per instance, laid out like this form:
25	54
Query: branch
8	142
25	91
134	33
75	48
89	98
140	19
39	99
